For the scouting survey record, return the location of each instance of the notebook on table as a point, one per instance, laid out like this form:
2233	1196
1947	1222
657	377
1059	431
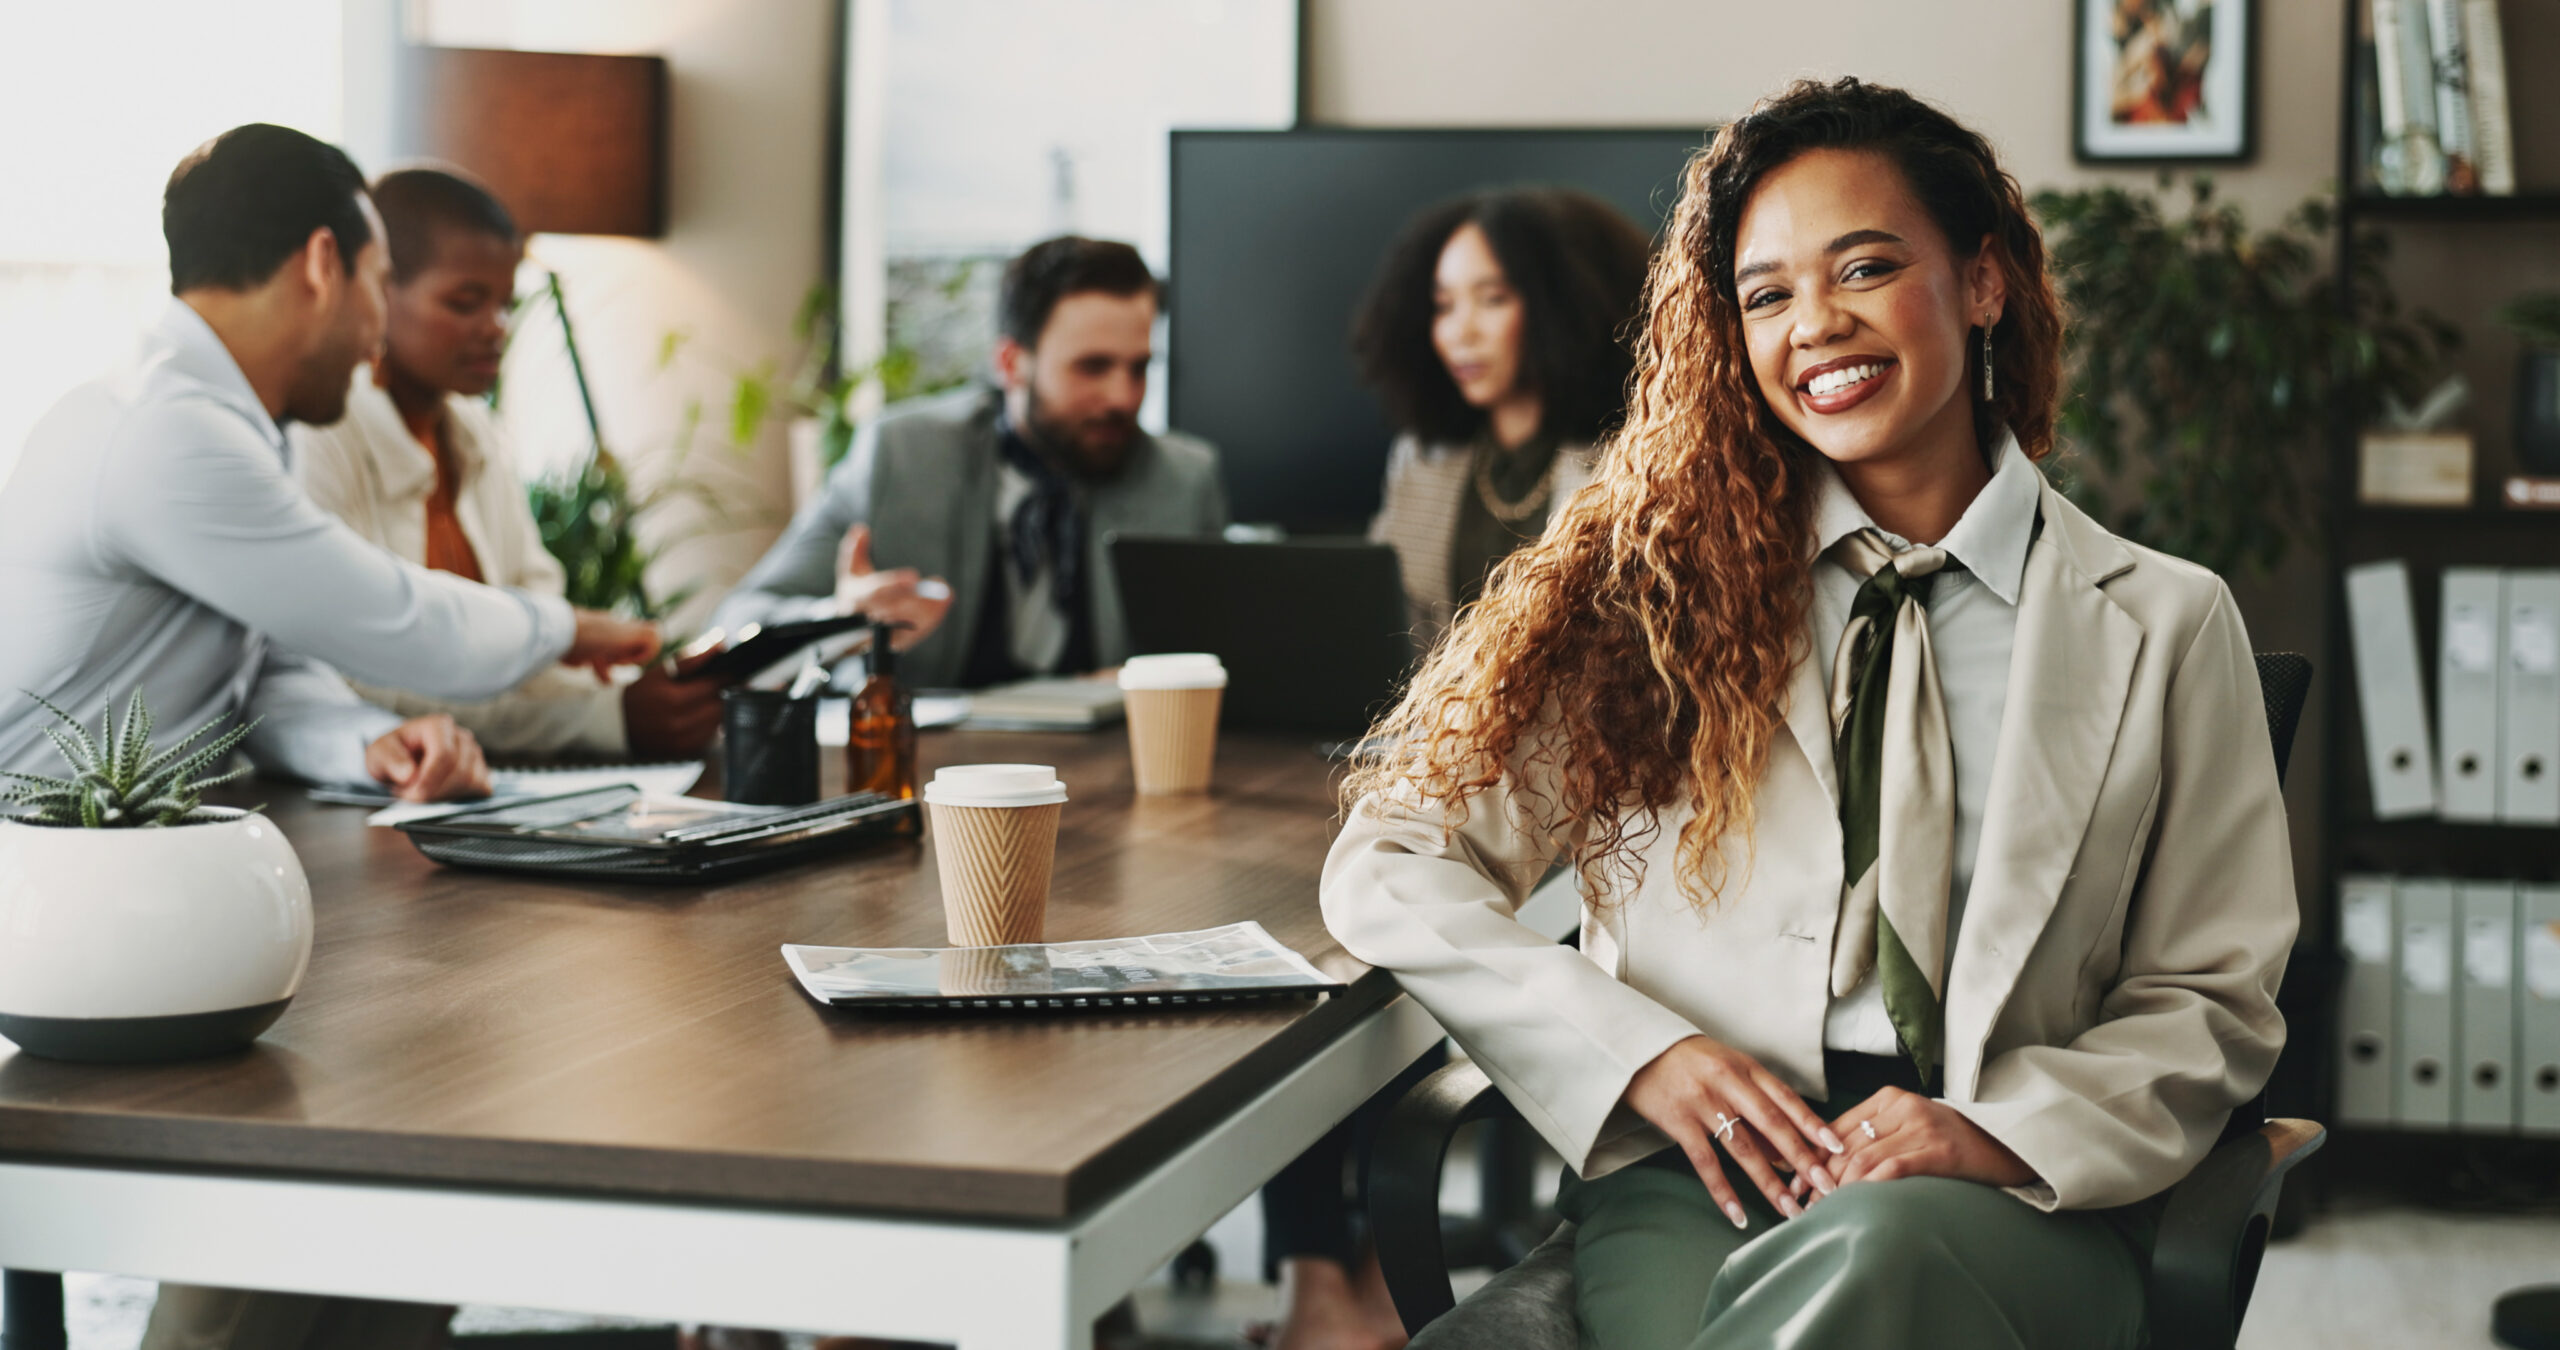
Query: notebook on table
1237	963
1051	703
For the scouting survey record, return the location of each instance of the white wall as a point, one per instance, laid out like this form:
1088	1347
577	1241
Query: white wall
2001	66
96	118
748	118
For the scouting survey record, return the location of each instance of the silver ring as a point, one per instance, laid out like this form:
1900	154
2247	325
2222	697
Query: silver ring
1725	1124
1869	1126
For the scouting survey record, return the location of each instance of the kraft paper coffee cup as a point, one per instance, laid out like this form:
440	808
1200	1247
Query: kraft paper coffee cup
1172	704
995	838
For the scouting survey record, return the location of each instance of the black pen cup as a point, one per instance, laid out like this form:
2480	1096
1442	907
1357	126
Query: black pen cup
769	747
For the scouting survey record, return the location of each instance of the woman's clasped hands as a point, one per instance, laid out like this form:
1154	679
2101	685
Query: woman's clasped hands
1702	1092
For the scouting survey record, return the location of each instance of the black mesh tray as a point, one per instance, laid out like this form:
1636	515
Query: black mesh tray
768	838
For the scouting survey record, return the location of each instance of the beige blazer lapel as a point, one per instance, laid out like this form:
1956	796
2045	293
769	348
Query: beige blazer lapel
1809	719
2068	681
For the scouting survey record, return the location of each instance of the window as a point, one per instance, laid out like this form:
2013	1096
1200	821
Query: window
103	99
998	123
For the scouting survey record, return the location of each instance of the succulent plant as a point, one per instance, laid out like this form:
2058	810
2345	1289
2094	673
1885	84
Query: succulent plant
117	780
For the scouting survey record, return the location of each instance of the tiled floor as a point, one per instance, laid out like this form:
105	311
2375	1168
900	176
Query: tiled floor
2397	1278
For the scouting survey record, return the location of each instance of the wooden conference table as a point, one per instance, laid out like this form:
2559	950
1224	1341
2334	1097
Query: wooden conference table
613	1099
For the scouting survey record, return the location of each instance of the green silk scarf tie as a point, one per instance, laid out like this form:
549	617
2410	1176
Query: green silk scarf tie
1897	791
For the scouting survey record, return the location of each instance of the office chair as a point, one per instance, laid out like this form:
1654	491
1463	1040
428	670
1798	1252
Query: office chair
2203	1267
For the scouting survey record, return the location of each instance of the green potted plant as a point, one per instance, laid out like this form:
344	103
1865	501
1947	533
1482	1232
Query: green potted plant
818	393
2205	361
140	923
592	518
2536	319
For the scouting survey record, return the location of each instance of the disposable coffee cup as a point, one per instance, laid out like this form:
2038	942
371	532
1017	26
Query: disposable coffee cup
1172	703
995	838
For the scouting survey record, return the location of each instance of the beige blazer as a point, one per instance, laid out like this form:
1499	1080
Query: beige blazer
2112	991
367	470
1418	516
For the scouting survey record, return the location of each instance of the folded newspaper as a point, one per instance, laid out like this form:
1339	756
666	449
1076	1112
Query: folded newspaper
1167	970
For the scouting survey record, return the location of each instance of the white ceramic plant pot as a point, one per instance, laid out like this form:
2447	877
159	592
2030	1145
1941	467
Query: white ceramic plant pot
149	943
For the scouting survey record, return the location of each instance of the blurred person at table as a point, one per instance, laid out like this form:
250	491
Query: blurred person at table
420	466
1494	334
152	536
980	517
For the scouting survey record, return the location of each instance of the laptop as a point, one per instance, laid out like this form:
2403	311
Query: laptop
1314	632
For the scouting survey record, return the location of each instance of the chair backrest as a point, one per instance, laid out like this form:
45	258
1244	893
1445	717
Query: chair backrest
2284	681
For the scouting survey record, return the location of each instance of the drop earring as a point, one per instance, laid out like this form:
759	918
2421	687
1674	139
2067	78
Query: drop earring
1986	363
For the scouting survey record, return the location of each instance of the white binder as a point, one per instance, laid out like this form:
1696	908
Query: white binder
2529	700
2484	1094
2398	759
2428	1052
2538	1009
2472	627
2365	931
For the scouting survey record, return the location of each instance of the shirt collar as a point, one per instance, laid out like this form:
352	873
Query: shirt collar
193	351
408	471
1990	538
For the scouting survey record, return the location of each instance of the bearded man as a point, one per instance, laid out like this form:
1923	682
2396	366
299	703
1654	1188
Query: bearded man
979	517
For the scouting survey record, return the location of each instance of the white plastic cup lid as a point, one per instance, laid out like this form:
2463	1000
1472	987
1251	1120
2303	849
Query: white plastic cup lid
1176	670
995	785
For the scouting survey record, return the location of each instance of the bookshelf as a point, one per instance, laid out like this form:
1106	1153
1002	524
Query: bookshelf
2458	256
2524	207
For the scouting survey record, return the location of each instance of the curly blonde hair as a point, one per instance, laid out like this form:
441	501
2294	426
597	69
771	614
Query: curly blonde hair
1638	653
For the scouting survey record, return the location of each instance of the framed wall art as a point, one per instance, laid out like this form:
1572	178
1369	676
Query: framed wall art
2164	81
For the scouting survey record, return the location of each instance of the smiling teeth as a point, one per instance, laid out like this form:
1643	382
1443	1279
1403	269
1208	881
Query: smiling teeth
1833	381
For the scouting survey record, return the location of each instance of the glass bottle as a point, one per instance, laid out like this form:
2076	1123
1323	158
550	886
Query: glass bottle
880	743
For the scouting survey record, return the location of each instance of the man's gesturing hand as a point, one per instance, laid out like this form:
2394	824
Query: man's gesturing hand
1701	1090
898	595
428	759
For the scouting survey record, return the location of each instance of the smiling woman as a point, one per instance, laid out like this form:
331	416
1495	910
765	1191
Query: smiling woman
1934	874
1860	346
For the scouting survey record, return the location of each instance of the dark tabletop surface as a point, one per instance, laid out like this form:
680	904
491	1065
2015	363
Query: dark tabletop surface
501	1031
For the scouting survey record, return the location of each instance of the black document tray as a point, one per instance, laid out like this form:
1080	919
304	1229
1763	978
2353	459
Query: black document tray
619	832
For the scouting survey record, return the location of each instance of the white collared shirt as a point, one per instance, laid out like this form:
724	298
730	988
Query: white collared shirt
152	537
1973	628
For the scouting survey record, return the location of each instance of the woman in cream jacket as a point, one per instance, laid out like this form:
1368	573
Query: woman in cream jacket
1495	336
1935	875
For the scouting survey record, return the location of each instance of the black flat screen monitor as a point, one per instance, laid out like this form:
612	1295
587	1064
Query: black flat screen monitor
1275	235
1313	632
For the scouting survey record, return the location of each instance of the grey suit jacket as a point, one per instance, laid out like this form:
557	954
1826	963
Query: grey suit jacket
923	475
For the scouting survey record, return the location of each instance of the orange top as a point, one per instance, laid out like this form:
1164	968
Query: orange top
448	548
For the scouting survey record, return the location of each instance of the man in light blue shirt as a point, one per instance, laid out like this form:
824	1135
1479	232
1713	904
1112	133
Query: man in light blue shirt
153	536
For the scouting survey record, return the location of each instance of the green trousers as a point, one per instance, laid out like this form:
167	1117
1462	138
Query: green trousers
1924	1263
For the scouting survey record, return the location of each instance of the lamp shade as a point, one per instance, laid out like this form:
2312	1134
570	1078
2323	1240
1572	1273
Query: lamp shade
572	143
